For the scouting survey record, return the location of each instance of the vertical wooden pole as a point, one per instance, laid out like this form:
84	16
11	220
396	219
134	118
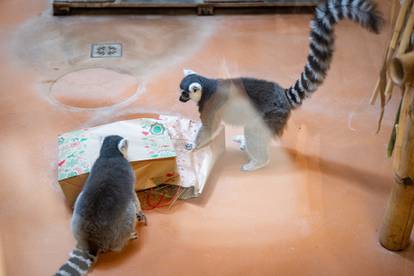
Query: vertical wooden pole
399	216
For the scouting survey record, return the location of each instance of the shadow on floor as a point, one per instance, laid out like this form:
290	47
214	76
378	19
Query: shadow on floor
374	182
408	253
232	159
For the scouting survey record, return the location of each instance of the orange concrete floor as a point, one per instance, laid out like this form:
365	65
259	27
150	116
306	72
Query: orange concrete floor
315	210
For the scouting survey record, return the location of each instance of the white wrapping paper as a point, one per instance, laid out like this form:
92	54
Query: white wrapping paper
194	166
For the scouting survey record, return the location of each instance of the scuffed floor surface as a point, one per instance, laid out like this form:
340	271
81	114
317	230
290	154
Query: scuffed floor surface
315	210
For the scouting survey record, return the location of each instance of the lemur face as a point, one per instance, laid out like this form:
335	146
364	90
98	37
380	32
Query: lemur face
190	88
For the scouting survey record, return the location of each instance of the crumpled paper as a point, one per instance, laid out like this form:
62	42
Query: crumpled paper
194	165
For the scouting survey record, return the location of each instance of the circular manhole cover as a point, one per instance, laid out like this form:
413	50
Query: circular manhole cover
93	88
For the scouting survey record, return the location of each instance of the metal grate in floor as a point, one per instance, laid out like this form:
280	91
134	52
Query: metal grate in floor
105	50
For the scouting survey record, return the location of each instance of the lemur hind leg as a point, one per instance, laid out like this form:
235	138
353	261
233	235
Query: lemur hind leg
139	213
257	138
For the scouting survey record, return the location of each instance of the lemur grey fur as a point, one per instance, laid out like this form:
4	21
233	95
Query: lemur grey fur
107	209
263	107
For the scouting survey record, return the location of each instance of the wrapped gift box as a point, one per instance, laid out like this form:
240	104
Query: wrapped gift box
151	153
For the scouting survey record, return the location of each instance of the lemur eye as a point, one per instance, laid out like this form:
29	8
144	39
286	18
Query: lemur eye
194	87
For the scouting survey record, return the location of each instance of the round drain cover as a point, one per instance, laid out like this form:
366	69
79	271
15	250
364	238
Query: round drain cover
93	88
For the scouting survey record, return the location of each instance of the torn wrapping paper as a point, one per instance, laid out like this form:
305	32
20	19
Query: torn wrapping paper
194	166
151	153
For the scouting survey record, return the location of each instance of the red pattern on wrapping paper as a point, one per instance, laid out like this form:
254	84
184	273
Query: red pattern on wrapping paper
162	197
146	133
74	144
61	163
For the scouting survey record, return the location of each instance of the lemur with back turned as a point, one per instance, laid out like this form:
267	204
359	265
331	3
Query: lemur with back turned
263	107
107	209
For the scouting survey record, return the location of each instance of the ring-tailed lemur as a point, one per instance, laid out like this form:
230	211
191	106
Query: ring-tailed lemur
107	209
263	107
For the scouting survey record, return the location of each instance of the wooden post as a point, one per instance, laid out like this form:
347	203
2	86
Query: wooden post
399	216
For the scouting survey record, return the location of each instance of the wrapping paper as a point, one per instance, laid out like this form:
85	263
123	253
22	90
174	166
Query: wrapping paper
161	152
194	166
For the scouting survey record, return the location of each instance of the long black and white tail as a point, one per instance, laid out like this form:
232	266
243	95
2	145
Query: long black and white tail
363	12
78	264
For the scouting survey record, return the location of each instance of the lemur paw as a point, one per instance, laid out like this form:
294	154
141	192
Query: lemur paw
240	139
253	165
141	217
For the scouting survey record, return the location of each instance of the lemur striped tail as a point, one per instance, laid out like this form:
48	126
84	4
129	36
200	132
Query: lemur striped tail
78	264
321	46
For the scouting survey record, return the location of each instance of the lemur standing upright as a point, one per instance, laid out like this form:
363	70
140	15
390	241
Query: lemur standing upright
107	209
263	107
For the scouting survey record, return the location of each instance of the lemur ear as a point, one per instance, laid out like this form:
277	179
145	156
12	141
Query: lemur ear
123	146
188	72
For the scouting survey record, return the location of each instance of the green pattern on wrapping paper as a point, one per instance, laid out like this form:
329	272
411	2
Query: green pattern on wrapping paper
72	146
152	129
157	129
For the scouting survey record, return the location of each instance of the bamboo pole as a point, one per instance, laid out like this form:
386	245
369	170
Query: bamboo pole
403	160
402	69
399	216
383	82
404	44
400	23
